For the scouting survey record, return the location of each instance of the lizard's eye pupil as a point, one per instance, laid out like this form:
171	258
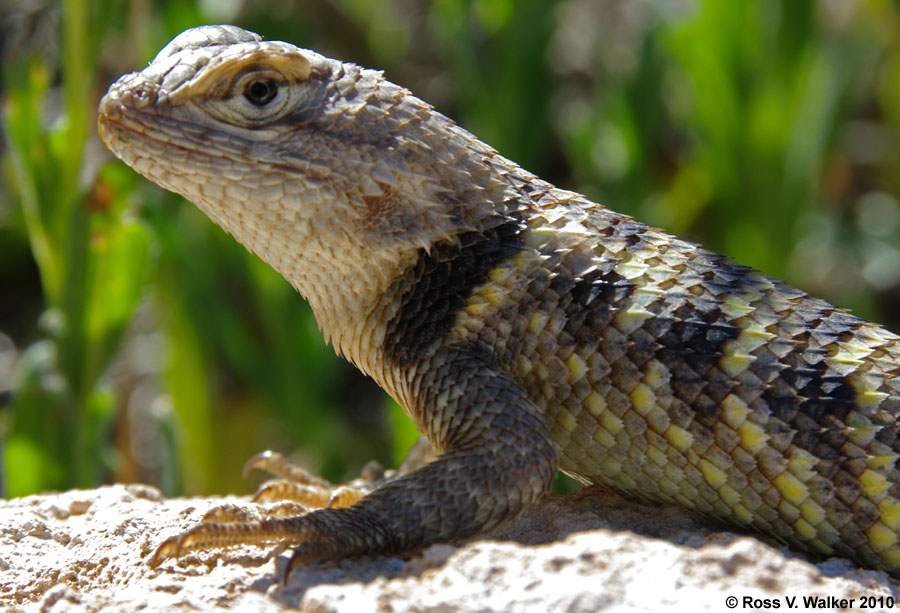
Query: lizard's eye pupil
260	91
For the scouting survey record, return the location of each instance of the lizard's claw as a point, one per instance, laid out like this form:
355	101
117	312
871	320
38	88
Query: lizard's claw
310	551
276	464
217	535
285	522
282	530
168	548
320	535
299	485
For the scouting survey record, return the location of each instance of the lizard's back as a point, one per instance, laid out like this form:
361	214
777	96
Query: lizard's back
669	372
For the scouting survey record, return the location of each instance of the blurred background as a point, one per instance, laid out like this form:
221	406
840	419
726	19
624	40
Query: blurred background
138	342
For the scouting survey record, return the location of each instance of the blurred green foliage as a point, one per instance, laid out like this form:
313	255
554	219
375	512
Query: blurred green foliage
149	346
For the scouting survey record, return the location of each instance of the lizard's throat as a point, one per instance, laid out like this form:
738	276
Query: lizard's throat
344	277
344	283
349	306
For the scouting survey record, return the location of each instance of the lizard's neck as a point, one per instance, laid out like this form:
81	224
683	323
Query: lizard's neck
344	279
345	200
351	302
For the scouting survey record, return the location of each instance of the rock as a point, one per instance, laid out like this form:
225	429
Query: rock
592	550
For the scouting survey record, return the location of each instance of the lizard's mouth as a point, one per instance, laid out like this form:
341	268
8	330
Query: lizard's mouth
150	141
147	143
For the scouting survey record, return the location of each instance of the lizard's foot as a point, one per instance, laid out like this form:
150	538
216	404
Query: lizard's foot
323	534
293	496
497	457
299	485
230	525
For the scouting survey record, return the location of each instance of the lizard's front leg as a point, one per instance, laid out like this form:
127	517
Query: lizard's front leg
497	457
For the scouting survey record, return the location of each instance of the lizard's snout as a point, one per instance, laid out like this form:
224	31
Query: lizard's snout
132	92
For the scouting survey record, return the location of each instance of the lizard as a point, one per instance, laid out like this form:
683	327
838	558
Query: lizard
524	328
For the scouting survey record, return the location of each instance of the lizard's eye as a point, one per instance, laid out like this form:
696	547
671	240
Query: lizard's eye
258	94
260	91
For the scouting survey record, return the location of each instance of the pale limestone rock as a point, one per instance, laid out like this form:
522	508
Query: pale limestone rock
88	550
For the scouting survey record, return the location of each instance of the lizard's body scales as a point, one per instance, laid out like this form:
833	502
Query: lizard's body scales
521	326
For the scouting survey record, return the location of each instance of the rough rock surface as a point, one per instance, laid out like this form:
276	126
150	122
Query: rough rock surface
593	550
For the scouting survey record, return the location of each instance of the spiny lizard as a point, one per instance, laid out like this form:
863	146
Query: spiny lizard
522	327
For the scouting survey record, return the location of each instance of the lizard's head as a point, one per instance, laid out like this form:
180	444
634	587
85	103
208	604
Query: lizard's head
322	168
